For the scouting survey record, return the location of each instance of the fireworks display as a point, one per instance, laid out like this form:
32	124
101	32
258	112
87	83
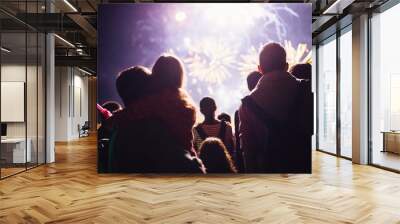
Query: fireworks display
248	61
300	54
297	55
217	42
210	61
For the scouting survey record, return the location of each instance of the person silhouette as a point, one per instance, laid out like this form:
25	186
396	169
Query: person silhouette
273	135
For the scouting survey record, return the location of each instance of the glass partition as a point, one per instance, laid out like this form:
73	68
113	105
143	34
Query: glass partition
41	97
22	90
14	153
31	97
385	89
327	96
346	93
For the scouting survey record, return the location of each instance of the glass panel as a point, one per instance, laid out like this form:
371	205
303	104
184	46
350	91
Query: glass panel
327	96
32	95
346	94
32	87
385	89
23	82
13	86
41	98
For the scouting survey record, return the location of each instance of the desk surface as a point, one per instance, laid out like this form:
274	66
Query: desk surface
13	140
390	132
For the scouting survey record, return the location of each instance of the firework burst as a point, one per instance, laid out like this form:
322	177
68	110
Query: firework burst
209	60
297	55
249	62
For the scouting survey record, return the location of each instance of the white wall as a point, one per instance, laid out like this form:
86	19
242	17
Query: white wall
16	73
80	112
71	102
33	127
61	103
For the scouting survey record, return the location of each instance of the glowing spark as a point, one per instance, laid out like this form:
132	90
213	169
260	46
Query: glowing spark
297	55
240	17
249	62
210	60
272	19
180	16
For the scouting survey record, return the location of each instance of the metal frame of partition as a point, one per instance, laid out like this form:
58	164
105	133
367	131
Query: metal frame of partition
0	88
42	118
369	106
338	97
318	95
342	31
337	35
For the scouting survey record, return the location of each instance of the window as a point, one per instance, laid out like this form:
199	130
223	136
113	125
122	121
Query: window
385	89
346	93
327	96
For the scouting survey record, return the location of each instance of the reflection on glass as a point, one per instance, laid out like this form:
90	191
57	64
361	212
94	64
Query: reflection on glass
327	97
385	95
31	101
346	94
14	153
22	91
41	98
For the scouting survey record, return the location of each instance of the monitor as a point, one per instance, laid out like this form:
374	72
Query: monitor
3	129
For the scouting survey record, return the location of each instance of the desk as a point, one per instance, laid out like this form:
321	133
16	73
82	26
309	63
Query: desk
391	141
13	150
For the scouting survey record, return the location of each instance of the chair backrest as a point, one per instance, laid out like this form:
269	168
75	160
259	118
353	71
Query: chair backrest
86	125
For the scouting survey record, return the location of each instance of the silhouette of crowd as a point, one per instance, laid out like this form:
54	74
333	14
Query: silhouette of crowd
156	130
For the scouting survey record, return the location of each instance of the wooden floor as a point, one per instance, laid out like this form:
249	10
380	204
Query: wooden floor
70	191
5	172
387	159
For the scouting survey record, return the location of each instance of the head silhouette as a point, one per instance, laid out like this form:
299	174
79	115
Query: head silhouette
252	79
208	107
133	83
216	157
272	58
224	117
167	72
301	71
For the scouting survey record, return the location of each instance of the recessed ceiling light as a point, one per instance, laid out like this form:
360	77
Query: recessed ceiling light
65	41
84	71
338	6
70	5
5	50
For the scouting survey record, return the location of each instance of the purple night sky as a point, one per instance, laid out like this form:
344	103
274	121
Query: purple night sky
218	42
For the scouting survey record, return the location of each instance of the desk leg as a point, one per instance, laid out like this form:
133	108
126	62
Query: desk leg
384	142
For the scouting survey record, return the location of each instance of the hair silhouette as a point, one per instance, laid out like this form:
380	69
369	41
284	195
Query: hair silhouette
216	157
